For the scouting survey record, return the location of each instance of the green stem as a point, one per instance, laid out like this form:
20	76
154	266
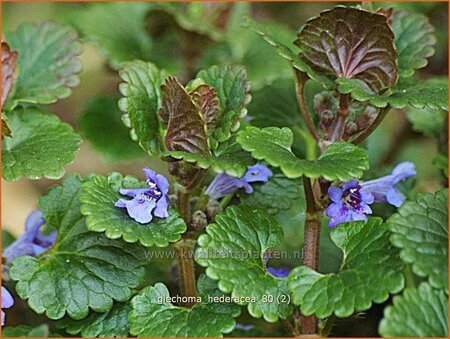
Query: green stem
185	259
226	200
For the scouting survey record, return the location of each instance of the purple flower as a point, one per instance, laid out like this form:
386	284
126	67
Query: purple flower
7	302
224	184
147	202
244	327
276	272
33	242
349	203
384	190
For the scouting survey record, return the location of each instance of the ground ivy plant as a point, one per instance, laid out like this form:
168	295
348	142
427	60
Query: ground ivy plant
192	251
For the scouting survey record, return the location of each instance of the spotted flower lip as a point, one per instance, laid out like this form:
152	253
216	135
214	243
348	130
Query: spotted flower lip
7	302
32	242
384	189
224	184
349	203
147	202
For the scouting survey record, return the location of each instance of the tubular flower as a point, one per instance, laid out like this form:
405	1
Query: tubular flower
349	203
147	202
276	272
33	242
7	302
384	189
224	184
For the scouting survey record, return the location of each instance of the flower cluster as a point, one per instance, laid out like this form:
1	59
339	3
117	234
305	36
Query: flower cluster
351	201
147	202
33	242
224	184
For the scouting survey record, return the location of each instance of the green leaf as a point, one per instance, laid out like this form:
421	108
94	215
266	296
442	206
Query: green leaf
420	230
232	87
111	324
229	157
9	65
421	312
432	93
153	316
100	124
48	61
414	41
25	331
232	250
341	160
350	43
40	146
141	102
118	28
427	121
186	126
370	271
275	195
287	53
98	198
82	270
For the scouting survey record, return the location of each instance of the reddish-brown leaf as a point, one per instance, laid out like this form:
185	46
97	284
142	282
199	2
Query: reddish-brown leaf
8	71
208	102
350	43
186	127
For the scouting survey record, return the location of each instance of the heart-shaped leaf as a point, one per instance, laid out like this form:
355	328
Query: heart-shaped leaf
420	229
98	198
347	42
40	145
153	315
421	312
207	101
83	270
340	161
186	126
48	61
233	249
141	102
414	41
371	270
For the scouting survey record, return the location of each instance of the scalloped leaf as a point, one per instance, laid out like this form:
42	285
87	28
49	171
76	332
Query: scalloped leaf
341	160
350	43
118	28
229	157
421	312
111	324
278	194
153	316
420	230
370	271
140	103
48	61
98	198
9	64
287	53
83	270
101	125
25	331
432	93
186	126
427	121
232	88
40	146
414	41
232	250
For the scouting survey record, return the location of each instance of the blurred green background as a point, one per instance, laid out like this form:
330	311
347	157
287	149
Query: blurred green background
393	142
